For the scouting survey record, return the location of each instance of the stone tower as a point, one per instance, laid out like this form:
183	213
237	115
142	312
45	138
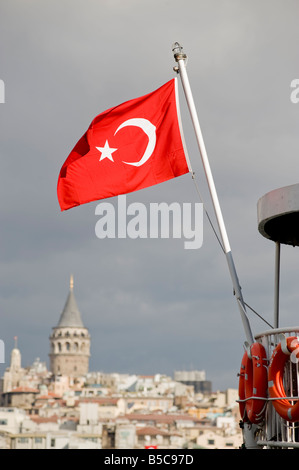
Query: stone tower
15	372
70	341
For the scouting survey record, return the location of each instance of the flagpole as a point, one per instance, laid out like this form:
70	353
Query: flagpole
180	58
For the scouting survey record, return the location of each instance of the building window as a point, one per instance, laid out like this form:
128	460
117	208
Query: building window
211	442
38	440
52	443
3	422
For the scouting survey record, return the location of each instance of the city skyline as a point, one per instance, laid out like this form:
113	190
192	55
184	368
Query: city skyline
71	310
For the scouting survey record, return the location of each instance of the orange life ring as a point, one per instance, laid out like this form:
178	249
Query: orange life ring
280	356
253	384
256	382
242	406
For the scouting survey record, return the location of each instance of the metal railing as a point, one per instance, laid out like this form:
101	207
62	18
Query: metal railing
276	432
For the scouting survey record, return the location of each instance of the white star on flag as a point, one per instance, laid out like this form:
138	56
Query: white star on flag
106	151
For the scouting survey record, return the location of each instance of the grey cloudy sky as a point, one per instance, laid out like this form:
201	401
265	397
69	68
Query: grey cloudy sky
150	305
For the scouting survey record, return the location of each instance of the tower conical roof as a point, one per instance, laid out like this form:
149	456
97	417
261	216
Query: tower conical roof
70	316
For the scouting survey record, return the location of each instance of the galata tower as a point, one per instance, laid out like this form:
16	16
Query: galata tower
70	341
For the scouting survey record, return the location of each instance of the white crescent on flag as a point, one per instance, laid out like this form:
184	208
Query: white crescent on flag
149	129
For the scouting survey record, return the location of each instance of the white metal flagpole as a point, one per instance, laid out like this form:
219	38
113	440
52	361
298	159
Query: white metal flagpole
180	58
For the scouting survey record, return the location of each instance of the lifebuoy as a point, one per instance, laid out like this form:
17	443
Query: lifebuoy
242	403
280	356
242	406
256	382
253	384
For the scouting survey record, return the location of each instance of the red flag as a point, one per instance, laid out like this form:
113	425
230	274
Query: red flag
126	148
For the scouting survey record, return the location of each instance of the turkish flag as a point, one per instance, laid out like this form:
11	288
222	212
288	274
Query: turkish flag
126	148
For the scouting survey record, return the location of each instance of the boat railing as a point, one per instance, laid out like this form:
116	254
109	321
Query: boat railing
276	432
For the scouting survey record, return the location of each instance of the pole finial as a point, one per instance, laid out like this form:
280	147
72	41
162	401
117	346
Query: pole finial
71	282
177	48
178	53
